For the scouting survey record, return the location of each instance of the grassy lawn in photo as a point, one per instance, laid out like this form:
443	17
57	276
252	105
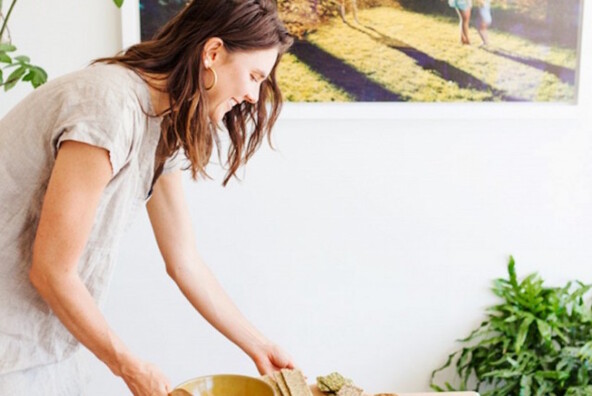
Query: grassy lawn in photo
419	57
507	64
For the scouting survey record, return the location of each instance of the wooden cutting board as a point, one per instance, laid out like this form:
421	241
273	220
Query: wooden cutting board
316	392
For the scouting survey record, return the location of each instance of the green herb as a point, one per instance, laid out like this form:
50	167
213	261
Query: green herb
332	383
536	342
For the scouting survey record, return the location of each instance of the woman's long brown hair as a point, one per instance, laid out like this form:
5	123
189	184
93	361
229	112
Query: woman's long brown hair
176	52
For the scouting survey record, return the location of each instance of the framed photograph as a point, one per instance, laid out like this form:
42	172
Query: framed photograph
367	55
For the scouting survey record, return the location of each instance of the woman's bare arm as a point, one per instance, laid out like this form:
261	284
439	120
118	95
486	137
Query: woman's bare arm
174	233
78	179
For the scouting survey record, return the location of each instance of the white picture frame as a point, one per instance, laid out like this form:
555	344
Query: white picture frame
582	109
130	23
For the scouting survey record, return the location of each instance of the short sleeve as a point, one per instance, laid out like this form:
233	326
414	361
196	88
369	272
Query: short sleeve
90	133
100	114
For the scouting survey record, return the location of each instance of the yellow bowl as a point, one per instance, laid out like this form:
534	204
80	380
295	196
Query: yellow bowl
226	385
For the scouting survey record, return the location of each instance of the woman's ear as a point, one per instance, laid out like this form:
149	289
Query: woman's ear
212	51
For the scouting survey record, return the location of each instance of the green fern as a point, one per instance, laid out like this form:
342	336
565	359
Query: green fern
537	341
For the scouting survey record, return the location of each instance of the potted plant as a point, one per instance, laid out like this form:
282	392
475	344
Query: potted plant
536	342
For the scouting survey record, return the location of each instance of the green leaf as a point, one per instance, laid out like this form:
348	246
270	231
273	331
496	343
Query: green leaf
4	58
6	47
475	332
461	367
490	341
544	330
522	333
14	77
525	385
445	365
583	375
585	352
556	375
512	272
118	3
512	362
449	387
503	374
560	334
581	291
579	391
29	76
39	76
22	59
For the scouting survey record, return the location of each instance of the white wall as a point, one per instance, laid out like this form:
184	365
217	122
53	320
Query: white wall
363	246
61	36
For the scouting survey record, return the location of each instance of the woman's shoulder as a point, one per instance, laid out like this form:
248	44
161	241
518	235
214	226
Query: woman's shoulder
114	73
99	91
99	81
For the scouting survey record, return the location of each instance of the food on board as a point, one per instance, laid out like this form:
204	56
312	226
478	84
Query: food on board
332	383
288	383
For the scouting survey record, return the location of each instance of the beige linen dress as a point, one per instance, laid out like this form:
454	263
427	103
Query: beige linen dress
102	105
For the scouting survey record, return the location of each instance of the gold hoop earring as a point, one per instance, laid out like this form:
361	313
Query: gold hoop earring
215	78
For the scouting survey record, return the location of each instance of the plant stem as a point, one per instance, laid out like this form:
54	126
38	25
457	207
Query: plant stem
6	18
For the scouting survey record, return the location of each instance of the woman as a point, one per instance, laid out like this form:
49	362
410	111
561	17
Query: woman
81	153
463	9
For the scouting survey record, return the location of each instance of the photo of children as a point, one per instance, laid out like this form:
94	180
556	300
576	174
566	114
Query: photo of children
422	50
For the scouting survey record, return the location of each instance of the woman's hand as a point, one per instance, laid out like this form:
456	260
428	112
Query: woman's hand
145	379
270	358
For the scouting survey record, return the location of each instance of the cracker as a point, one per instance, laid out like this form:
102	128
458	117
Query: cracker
274	385
332	382
350	390
296	382
284	391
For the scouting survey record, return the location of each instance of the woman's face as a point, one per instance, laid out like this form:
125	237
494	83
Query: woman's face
240	75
